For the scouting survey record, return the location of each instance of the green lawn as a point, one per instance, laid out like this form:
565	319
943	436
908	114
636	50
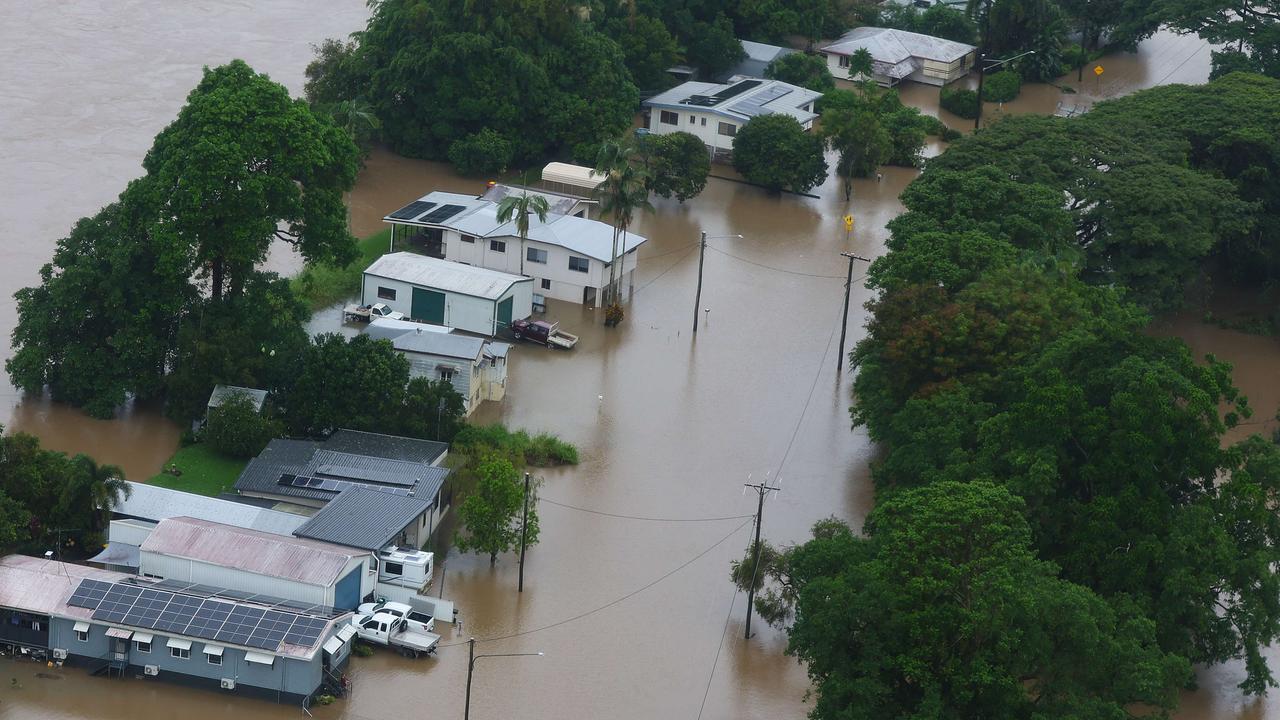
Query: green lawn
204	471
323	285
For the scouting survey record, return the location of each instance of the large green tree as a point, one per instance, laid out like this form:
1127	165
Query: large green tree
678	164
357	384
245	164
803	69
944	611
492	512
775	152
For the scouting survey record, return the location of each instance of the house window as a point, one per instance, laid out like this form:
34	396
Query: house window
844	61
704	122
386	293
534	255
728	129
666	117
446	374
469	239
143	647
692	119
214	659
546	284
498	245
82	635
578	264
180	653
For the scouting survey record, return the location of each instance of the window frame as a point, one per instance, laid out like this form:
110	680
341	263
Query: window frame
386	293
546	284
586	264
180	653
663	116
139	646
82	636
532	254
471	239
498	246
732	129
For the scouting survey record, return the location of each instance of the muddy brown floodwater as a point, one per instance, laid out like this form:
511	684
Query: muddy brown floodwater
627	592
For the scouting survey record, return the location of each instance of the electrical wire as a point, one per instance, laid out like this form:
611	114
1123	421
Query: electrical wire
808	400
669	252
664	272
775	269
606	606
641	517
719	648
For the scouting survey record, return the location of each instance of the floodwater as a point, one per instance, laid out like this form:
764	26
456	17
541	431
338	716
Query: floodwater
627	593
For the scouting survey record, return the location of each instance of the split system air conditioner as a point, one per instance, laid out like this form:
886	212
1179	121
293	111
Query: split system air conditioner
228	684
59	653
151	670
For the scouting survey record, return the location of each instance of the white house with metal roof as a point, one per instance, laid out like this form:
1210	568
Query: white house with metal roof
458	295
899	55
566	257
197	635
476	367
306	570
714	112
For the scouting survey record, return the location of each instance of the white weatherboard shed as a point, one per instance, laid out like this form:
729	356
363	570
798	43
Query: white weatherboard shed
714	112
456	295
477	368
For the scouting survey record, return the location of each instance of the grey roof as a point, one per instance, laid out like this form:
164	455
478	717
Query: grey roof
154	503
424	341
406	457
762	97
479	217
444	275
892	47
757	58
366	519
222	393
118	553
280	556
557	203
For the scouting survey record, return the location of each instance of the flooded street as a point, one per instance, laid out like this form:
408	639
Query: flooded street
628	592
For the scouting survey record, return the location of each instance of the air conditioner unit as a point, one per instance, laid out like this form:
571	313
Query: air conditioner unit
228	684
59	653
151	670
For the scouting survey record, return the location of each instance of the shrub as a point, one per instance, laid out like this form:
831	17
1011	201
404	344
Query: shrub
959	101
482	153
1002	86
951	135
362	650
236	428
541	450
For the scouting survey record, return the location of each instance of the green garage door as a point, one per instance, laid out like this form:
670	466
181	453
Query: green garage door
504	313
428	306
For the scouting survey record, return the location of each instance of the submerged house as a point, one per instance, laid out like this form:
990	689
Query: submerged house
899	55
456	295
714	112
198	635
477	368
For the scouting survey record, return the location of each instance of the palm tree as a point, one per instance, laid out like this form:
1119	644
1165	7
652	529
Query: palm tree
91	492
519	207
621	194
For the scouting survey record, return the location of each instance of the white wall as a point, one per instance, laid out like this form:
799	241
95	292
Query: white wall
566	284
404	293
464	312
129	532
708	133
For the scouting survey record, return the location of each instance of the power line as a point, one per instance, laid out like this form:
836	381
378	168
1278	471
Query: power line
719	647
669	252
771	267
606	606
805	410
641	517
664	272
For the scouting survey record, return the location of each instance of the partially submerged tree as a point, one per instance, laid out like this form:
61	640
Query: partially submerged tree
678	164
492	512
775	152
622	193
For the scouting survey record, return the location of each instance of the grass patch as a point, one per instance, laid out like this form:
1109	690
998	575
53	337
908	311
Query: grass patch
540	450
203	471
321	285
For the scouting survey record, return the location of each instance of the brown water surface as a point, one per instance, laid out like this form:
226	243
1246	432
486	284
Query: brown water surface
627	591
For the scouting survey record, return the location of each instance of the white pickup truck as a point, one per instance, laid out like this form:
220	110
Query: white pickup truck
366	313
386	629
417	620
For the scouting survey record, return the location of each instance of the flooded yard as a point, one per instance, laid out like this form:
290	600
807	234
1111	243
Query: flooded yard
628	592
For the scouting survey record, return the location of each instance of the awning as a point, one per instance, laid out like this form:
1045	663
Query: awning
333	645
118	553
215	650
345	632
119	633
260	658
143	638
179	643
81	627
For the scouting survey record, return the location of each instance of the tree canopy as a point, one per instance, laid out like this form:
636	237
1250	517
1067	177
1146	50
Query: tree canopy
775	152
492	512
803	69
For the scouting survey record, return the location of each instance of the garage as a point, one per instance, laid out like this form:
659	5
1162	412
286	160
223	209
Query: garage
447	293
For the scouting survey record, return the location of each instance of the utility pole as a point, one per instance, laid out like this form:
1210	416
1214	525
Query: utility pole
763	489
471	666
982	60
844	324
697	298
524	528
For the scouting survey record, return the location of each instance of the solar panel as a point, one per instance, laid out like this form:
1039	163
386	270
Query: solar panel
737	89
442	213
147	608
89	594
208	619
174	585
412	210
116	603
305	631
378	476
754	105
177	614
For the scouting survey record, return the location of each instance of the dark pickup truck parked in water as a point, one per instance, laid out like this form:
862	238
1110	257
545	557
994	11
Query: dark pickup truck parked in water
548	334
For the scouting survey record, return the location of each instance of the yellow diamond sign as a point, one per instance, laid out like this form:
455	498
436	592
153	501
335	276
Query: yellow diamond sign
1097	69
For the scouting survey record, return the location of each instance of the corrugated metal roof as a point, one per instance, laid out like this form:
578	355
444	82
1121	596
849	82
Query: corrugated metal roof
891	46
391	447
443	275
365	519
150	502
43	586
427	342
304	561
770	102
566	174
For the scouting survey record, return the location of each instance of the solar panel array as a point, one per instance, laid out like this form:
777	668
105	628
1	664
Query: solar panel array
412	210
335	486
754	105
196	611
732	91
442	213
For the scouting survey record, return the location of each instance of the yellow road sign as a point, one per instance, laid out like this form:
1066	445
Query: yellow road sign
1097	70
848	222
